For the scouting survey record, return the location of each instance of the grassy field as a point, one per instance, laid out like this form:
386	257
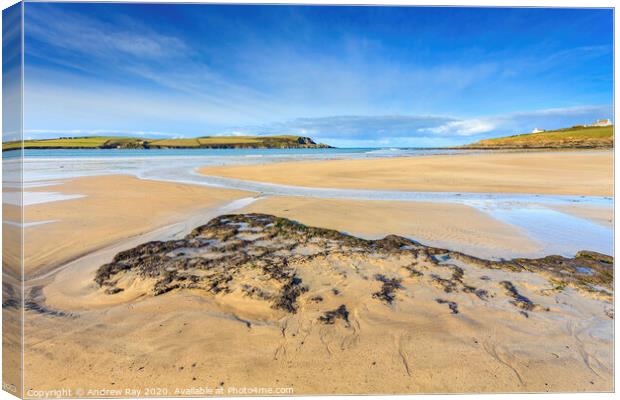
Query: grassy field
109	142
94	142
576	137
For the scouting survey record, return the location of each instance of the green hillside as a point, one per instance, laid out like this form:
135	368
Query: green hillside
216	142
575	137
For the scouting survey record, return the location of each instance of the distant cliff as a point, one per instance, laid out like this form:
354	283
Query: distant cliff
578	137
208	142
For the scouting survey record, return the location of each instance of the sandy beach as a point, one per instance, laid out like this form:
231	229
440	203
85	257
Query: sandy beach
339	315
408	308
580	173
113	208
444	225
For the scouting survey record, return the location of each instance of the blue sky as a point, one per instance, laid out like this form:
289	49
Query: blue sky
11	73
347	76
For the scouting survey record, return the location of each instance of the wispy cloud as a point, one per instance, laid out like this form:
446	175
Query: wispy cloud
80	34
520	122
11	73
268	81
225	72
51	105
465	127
128	47
351	126
381	131
424	130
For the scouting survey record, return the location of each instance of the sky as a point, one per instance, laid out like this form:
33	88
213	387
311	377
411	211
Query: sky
11	74
346	76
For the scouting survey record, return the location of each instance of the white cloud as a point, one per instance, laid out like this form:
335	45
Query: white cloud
126	48
50	104
466	127
353	94
230	133
81	34
427	130
351	126
521	122
347	130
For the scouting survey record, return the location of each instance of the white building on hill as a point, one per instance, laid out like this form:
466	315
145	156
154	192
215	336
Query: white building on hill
602	122
536	130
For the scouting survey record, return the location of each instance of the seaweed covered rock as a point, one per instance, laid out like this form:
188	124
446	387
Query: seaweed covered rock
259	256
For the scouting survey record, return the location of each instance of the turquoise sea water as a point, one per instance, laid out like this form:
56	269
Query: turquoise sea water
286	153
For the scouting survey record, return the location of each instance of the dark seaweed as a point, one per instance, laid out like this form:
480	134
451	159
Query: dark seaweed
330	317
454	307
388	289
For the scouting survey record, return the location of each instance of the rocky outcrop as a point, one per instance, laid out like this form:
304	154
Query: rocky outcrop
258	255
306	141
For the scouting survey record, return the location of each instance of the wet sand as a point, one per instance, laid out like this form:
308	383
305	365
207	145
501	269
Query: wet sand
188	337
570	172
114	207
451	226
117	207
412	322
600	215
